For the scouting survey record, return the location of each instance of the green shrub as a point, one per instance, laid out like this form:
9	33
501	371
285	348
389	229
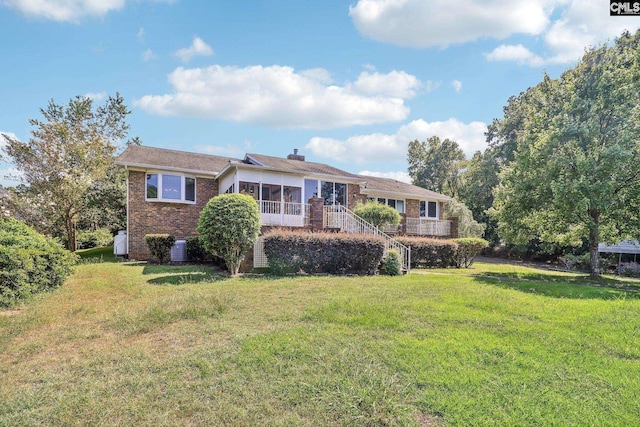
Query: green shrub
468	248
229	225
430	253
92	239
332	253
195	250
377	214
29	262
574	262
391	263
160	245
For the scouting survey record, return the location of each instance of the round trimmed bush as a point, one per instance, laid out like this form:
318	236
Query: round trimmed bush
377	214
160	245
229	226
467	249
30	263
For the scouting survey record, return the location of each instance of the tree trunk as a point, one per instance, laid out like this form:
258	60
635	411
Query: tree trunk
71	234
594	240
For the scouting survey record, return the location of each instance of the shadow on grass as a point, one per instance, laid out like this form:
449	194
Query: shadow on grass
558	286
97	255
183	274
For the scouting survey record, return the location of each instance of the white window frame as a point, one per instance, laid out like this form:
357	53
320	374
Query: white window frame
386	202
183	181
426	209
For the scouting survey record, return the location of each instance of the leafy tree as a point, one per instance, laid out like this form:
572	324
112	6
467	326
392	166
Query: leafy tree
377	214
576	168
68	152
467	226
436	165
478	183
229	226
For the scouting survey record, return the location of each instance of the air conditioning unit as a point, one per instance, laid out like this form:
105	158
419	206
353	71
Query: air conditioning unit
179	251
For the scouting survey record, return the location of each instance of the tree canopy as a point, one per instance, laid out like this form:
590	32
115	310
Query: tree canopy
69	151
436	164
575	173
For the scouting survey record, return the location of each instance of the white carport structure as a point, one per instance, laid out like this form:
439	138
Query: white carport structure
629	246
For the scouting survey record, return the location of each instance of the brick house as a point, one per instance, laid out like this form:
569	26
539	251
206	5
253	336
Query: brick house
167	189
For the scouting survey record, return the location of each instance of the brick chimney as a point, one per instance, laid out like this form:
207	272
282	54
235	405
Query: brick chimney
295	156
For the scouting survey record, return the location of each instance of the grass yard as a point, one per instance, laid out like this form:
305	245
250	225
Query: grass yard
136	344
102	254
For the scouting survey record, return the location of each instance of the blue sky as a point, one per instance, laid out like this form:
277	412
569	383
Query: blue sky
347	83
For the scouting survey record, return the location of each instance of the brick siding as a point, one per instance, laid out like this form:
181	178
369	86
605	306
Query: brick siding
178	219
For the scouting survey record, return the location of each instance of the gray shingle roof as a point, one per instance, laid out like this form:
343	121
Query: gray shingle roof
302	166
387	185
161	158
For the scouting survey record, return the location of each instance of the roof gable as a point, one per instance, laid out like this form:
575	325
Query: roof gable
298	166
376	184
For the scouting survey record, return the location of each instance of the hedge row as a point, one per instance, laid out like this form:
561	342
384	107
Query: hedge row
332	253
430	253
441	253
29	262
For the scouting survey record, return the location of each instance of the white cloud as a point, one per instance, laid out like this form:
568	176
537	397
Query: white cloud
398	176
198	48
517	53
9	134
318	74
431	85
420	23
380	147
140	35
394	84
99	96
566	27
457	85
9	175
68	10
148	55
274	96
584	23
65	10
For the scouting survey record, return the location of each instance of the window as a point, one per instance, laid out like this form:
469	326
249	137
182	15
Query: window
250	188
170	188
310	189
292	194
271	192
394	203
429	209
334	193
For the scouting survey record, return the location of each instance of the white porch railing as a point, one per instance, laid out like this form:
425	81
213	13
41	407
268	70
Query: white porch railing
286	214
341	218
428	227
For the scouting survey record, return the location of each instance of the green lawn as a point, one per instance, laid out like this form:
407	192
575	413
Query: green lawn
135	344
103	254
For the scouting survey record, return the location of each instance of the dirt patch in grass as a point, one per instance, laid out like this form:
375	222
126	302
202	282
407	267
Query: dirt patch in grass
10	312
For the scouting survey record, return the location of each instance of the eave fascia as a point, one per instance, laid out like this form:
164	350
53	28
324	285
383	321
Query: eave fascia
397	194
141	167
